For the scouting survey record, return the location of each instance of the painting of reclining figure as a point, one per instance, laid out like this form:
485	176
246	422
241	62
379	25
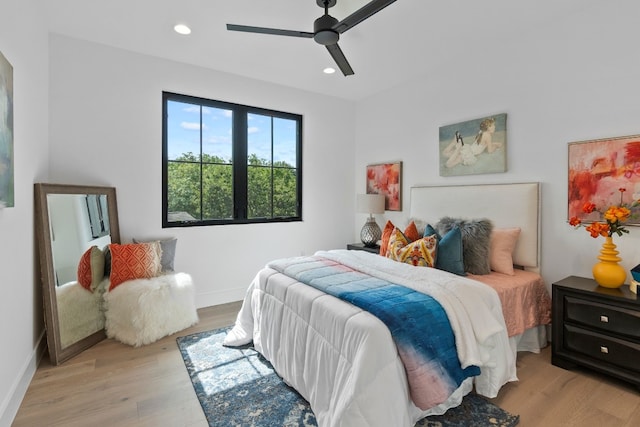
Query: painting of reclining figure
474	147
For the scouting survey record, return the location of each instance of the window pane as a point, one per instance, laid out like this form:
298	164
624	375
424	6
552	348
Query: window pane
183	192
217	197
201	183
284	192
217	133
284	142
258	139
259	192
183	129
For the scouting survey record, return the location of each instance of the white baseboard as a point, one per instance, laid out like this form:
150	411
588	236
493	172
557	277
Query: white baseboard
216	298
11	404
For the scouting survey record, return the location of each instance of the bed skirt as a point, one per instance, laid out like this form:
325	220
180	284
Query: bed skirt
531	340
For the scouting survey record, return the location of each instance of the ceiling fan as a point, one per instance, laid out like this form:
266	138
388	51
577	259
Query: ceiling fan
326	29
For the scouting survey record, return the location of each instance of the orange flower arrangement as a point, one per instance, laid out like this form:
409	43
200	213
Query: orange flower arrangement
615	217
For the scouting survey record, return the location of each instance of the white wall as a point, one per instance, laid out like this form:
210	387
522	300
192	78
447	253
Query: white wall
105	114
23	41
574	79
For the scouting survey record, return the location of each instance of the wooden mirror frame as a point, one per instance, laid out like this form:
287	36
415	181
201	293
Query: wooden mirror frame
58	354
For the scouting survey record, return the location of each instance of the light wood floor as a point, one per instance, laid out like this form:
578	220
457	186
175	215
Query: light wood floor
112	384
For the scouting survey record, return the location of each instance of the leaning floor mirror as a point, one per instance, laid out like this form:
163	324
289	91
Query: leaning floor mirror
74	225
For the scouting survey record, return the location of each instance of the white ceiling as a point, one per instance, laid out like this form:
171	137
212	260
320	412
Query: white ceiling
399	43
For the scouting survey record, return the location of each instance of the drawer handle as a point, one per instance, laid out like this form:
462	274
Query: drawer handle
604	319
604	349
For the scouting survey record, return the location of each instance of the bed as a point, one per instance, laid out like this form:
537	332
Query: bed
352	366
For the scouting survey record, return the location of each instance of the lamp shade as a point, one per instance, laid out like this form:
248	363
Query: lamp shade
370	203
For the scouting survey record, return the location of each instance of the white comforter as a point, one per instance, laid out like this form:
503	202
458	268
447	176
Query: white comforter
343	359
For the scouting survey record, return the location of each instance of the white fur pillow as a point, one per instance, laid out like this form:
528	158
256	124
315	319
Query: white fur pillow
80	312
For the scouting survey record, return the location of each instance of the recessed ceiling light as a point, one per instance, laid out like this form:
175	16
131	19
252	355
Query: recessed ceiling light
329	70
182	29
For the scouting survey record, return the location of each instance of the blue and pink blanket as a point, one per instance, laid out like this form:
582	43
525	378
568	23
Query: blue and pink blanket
417	322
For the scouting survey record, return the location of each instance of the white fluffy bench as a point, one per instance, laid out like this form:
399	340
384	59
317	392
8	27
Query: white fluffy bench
141	311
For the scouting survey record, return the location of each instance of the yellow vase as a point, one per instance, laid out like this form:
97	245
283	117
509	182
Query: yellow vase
608	272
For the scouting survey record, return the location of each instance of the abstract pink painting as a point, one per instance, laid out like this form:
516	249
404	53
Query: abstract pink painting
386	178
598	169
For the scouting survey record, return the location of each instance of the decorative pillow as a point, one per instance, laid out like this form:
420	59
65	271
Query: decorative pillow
476	241
503	242
107	261
168	247
421	253
420	225
91	268
411	233
450	254
134	261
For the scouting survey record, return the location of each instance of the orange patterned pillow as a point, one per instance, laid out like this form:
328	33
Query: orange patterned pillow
421	253
134	261
411	233
91	268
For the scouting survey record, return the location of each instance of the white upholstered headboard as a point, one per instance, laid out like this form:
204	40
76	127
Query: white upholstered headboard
506	205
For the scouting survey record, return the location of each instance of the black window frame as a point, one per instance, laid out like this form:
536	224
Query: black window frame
239	161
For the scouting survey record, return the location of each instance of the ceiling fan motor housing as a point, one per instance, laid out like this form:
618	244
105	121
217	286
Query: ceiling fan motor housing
323	32
326	29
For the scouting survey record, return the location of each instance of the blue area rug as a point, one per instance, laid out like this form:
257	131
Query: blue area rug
238	387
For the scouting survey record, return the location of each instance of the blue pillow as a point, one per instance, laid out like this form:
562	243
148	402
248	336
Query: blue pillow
449	255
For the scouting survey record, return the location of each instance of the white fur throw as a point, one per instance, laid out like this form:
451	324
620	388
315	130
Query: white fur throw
142	311
79	311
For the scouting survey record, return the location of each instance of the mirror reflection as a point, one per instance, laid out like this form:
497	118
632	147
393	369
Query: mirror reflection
75	226
77	222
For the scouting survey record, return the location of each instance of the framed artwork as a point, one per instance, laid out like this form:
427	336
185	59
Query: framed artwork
474	147
386	178
598	170
6	133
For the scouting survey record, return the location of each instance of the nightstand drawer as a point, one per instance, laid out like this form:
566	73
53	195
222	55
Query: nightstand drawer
602	316
621	353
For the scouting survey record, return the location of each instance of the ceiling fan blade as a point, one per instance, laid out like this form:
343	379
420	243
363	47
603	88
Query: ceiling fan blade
273	31
361	14
341	60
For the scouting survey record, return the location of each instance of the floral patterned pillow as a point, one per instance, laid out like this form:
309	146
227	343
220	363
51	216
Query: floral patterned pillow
420	253
411	233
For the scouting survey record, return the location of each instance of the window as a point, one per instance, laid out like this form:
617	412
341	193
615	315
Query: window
97	213
226	163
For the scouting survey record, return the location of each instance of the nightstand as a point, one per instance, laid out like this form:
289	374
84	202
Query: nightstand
361	247
596	327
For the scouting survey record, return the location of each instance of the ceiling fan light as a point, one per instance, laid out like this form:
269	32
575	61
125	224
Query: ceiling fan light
182	29
326	37
329	70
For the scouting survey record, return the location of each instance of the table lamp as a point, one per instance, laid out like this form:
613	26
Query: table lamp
371	204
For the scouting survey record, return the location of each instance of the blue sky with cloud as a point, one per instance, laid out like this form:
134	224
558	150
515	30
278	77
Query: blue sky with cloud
184	127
